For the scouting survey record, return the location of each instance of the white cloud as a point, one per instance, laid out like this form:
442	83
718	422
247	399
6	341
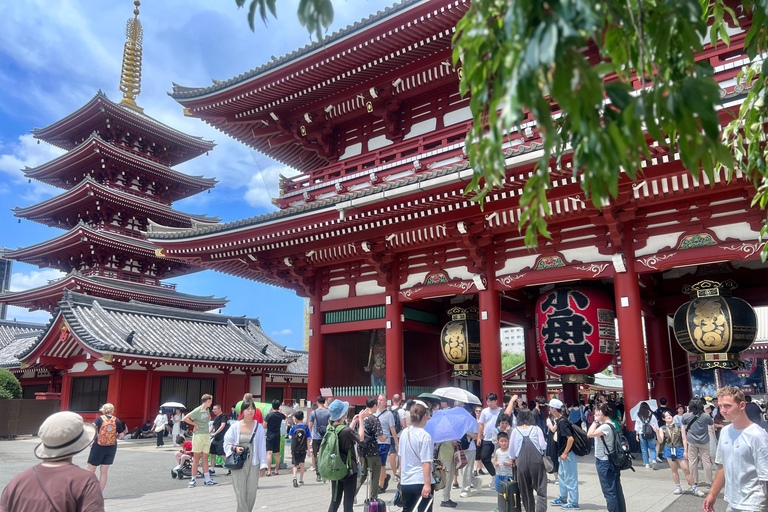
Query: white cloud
263	185
284	332
22	315
26	152
35	278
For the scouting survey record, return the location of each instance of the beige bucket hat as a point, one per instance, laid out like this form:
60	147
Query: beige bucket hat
64	434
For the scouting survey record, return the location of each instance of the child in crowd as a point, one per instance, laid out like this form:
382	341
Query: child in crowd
184	454
300	436
502	460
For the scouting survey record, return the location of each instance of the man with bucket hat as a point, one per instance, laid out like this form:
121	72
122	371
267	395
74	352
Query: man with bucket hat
56	483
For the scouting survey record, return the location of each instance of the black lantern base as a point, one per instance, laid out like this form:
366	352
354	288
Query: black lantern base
467	370
577	378
728	361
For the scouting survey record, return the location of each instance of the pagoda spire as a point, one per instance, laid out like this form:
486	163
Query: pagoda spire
130	74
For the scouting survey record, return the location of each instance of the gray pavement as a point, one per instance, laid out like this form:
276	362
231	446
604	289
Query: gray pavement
140	480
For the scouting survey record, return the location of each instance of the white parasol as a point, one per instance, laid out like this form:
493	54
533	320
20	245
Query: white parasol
651	403
173	405
458	394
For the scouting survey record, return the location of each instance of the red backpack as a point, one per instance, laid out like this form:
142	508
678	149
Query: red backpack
107	432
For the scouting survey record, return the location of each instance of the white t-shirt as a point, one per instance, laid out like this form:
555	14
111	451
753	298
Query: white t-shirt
503	456
639	424
416	448
488	419
744	456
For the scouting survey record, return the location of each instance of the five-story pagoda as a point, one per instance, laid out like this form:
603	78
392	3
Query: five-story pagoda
118	178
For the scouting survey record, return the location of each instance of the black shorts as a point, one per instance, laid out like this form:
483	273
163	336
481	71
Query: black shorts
102	455
316	446
217	448
273	444
298	458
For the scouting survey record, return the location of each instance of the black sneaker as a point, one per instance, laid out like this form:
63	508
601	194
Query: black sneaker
173	473
318	478
382	490
449	504
480	471
211	471
295	483
386	482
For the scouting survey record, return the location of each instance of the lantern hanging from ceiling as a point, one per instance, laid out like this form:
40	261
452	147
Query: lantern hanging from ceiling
575	332
460	340
715	326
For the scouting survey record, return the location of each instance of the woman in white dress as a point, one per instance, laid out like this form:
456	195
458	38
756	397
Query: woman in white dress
177	420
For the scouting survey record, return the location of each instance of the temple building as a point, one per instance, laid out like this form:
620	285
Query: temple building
119	333
378	233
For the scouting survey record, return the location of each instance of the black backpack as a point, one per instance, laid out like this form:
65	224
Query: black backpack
464	442
581	445
648	432
299	440
620	457
398	424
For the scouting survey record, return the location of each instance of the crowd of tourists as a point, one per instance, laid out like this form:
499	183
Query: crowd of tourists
514	443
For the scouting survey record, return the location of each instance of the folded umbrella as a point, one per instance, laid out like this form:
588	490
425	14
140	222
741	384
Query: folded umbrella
450	424
458	394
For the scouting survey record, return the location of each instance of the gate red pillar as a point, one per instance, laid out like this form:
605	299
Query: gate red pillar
682	371
115	383
630	321
147	391
393	314
659	358
535	374
316	348
490	333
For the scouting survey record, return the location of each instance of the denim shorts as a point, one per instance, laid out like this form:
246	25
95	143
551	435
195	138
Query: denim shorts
383	452
679	452
499	479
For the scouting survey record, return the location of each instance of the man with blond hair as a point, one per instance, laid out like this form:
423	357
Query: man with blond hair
742	458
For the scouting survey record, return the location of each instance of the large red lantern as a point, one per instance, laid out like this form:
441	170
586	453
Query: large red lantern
575	332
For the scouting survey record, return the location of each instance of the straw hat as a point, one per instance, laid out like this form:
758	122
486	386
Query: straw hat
64	434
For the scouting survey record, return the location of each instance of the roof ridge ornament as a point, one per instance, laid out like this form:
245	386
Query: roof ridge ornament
130	74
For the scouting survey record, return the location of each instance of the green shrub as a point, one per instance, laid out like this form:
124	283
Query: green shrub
9	385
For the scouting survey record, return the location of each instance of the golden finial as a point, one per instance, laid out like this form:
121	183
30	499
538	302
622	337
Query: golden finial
130	75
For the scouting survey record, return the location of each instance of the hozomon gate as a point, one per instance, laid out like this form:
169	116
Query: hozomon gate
376	230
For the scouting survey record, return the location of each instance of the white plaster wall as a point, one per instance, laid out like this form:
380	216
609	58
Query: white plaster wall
134	366
101	366
421	128
457	116
459	272
414	280
78	367
583	254
255	388
515	265
337	292
742	231
378	142
353	150
368	288
170	368
656	243
206	370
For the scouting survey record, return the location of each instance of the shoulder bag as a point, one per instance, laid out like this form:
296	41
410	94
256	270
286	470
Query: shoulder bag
237	460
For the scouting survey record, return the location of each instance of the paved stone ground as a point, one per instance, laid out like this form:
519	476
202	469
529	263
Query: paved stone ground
140	480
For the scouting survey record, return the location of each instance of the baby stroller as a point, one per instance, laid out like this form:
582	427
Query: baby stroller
184	471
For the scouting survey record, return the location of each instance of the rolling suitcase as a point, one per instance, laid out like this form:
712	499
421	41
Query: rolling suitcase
509	496
376	505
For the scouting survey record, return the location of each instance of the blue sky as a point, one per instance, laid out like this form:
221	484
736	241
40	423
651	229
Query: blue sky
54	56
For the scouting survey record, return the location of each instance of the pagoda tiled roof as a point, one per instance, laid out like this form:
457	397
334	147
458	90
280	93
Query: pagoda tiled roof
43	212
118	289
94	146
180	91
60	133
16	337
145	331
299	367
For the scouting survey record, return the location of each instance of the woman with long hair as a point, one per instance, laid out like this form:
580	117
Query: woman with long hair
552	449
416	454
247	433
646	417
671	438
177	419
529	446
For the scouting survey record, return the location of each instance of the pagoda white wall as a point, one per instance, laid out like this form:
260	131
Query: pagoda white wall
337	292
457	116
421	128
515	265
352	150
741	231
255	387
368	288
378	142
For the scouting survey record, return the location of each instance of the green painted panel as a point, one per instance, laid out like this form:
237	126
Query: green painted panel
418	315
353	315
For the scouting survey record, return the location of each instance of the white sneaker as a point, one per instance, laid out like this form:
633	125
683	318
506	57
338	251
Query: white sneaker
465	494
647	466
654	465
678	491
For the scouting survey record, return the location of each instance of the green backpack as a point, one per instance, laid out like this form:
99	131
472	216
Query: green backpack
329	463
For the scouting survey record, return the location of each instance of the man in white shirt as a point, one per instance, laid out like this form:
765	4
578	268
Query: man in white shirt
485	427
387	420
742	458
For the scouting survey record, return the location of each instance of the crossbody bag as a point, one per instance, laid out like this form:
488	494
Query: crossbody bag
237	460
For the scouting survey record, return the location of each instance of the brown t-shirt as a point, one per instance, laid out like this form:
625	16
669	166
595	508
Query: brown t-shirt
71	488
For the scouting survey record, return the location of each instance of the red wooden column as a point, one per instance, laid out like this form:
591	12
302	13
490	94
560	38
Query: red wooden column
681	367
66	383
316	349
115	384
393	314
660	359
147	391
223	398
535	373
490	327
630	321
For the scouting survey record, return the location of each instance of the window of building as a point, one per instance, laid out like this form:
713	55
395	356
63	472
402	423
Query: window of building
271	394
186	390
28	392
88	394
298	394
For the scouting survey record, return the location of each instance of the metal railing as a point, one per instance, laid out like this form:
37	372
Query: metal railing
410	391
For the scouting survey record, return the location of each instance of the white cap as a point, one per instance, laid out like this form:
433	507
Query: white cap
557	404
